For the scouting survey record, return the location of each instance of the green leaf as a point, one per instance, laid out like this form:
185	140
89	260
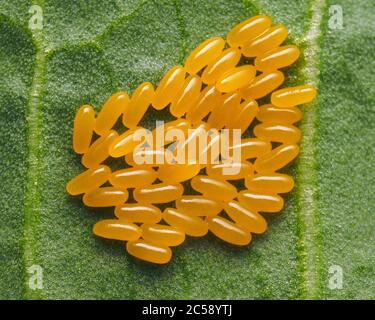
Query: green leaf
90	49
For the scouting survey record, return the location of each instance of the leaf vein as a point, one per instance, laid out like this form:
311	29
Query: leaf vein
32	195
306	167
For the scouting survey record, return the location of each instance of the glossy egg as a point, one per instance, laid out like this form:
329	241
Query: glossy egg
88	180
133	177
267	41
198	205
105	197
191	225
149	251
204	54
187	96
235	78
244	32
261	202
290	97
112	109
251	148
83	129
98	151
117	230
276	159
139	102
275	182
162	234
229	231
138	213
283	133
158	193
227	60
247	218
168	87
270	113
213	188
128	141
277	58
263	85
230	171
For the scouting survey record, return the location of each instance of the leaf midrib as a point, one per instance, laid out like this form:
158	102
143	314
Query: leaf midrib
32	196
306	167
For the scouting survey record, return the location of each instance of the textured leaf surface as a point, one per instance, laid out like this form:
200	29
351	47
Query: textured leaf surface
89	49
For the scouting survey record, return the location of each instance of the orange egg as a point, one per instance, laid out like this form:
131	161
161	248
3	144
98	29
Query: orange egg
138	213
149	251
235	78
139	102
270	113
112	109
276	159
168	87
88	180
83	129
98	151
290	97
105	197
244	32
229	231
204	54
247	218
262	85
191	225
227	60
267	41
117	230
277	58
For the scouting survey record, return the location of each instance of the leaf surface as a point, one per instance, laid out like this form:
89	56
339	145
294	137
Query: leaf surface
88	50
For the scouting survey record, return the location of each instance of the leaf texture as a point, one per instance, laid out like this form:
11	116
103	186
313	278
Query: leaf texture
88	50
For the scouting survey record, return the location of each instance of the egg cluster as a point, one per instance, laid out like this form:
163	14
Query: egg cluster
217	88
